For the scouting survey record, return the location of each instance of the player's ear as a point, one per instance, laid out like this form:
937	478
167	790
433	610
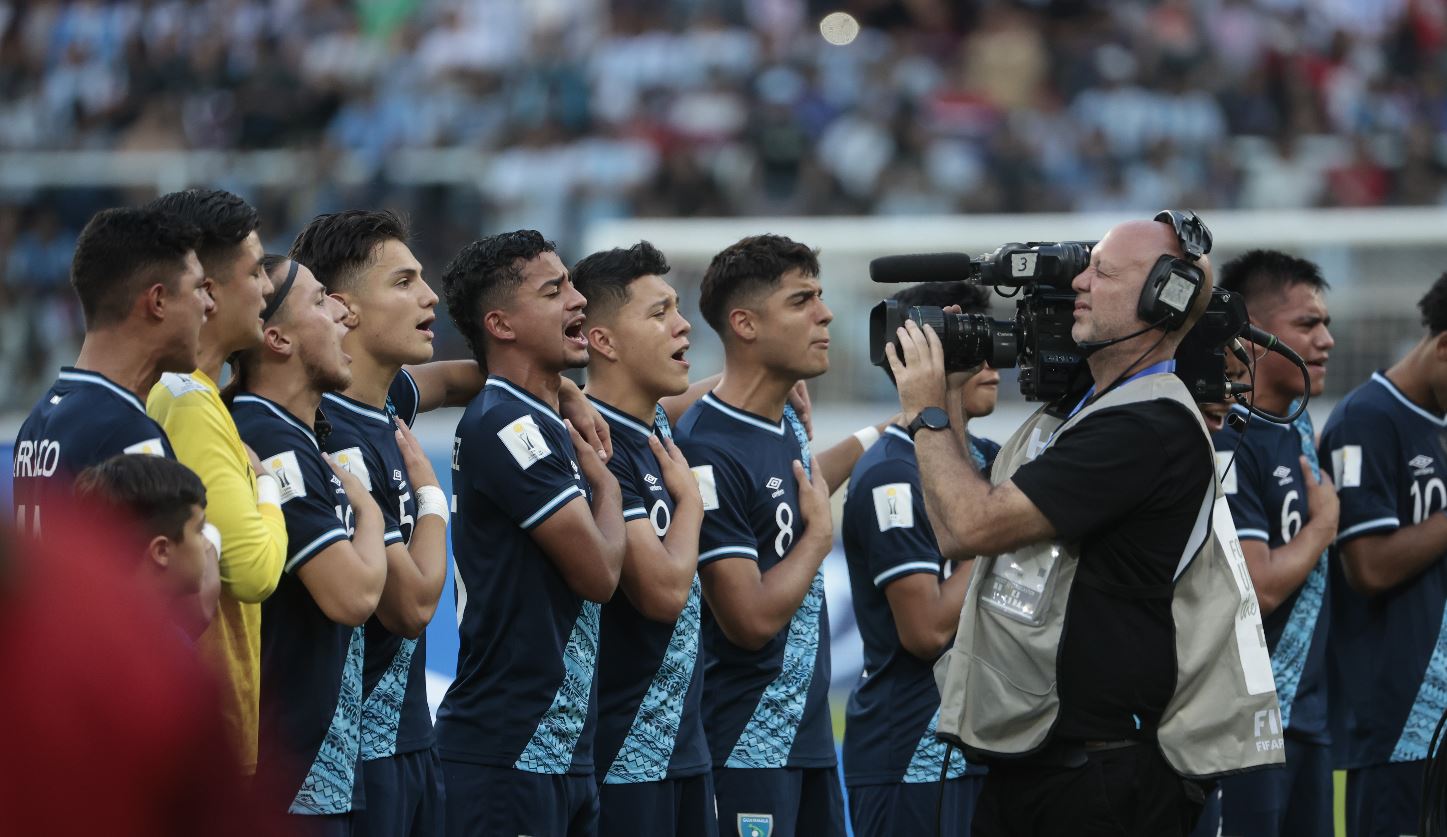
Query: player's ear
159	552
497	325
274	340
600	341
744	324
352	316
153	301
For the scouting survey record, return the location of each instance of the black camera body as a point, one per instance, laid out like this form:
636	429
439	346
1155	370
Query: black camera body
1037	340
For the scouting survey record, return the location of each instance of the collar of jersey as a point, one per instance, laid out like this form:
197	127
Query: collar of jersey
522	395
743	416
74	375
357	407
614	414
280	412
898	433
1440	421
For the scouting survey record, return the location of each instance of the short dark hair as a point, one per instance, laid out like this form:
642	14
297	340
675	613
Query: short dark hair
1257	273
338	246
155	493
603	277
746	267
1433	306
118	255
972	299
482	276
223	220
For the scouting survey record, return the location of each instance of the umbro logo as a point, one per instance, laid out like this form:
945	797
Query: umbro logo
1282	474
773	483
1421	465
650	479
397	474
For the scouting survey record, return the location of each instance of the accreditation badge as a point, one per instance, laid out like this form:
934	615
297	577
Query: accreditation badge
1018	585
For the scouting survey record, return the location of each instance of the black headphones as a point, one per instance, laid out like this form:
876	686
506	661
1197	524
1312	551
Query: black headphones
1174	284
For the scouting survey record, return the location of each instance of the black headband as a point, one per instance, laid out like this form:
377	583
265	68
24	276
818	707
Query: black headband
280	296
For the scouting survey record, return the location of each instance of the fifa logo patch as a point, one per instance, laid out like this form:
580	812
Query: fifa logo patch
756	825
351	461
287	470
524	441
894	506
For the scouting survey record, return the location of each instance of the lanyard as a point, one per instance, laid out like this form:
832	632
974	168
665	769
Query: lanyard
1154	369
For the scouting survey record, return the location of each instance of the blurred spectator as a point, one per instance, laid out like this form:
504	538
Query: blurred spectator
589	109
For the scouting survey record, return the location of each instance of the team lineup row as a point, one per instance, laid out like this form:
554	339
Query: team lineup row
643	634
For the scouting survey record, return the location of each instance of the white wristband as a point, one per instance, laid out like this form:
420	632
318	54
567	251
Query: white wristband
268	490
867	436
431	500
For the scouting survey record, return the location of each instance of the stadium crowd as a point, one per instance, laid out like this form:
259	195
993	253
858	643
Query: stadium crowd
591	109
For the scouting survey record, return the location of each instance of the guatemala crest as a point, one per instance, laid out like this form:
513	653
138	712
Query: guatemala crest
756	825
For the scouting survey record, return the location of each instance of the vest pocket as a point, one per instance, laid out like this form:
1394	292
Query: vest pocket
1006	713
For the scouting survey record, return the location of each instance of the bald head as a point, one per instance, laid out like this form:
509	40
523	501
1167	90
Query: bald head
1108	292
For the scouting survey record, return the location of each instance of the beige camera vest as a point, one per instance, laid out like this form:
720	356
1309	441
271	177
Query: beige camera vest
998	683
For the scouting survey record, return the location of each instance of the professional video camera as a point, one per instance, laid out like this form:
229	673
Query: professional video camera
1038	341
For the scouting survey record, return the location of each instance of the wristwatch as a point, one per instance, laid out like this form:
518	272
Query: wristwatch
930	418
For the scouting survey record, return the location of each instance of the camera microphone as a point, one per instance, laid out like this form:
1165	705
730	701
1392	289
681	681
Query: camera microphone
922	267
1272	343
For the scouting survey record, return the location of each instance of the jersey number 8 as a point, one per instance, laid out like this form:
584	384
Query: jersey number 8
784	518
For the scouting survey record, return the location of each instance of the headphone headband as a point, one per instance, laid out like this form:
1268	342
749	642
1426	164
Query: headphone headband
1191	231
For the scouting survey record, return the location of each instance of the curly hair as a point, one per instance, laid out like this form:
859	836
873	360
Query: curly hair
482	277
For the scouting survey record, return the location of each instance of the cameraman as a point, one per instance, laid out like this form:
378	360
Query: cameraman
1089	728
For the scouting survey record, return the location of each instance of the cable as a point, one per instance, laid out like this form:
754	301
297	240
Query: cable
1433	819
940	805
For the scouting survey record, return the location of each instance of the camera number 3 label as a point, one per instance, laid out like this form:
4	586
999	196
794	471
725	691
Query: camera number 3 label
1022	265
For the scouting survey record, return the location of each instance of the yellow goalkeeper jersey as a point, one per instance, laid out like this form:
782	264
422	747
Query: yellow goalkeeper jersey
253	541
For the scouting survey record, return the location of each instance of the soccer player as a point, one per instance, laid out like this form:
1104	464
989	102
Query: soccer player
539	545
653	764
1389	582
908	591
245	501
766	531
311	634
164	504
1286	516
142	295
365	263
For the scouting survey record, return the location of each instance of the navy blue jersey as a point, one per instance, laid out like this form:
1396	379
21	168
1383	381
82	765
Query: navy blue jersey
82	420
311	667
1266	490
889	733
395	717
403	399
764	708
525	696
1389	653
650	685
